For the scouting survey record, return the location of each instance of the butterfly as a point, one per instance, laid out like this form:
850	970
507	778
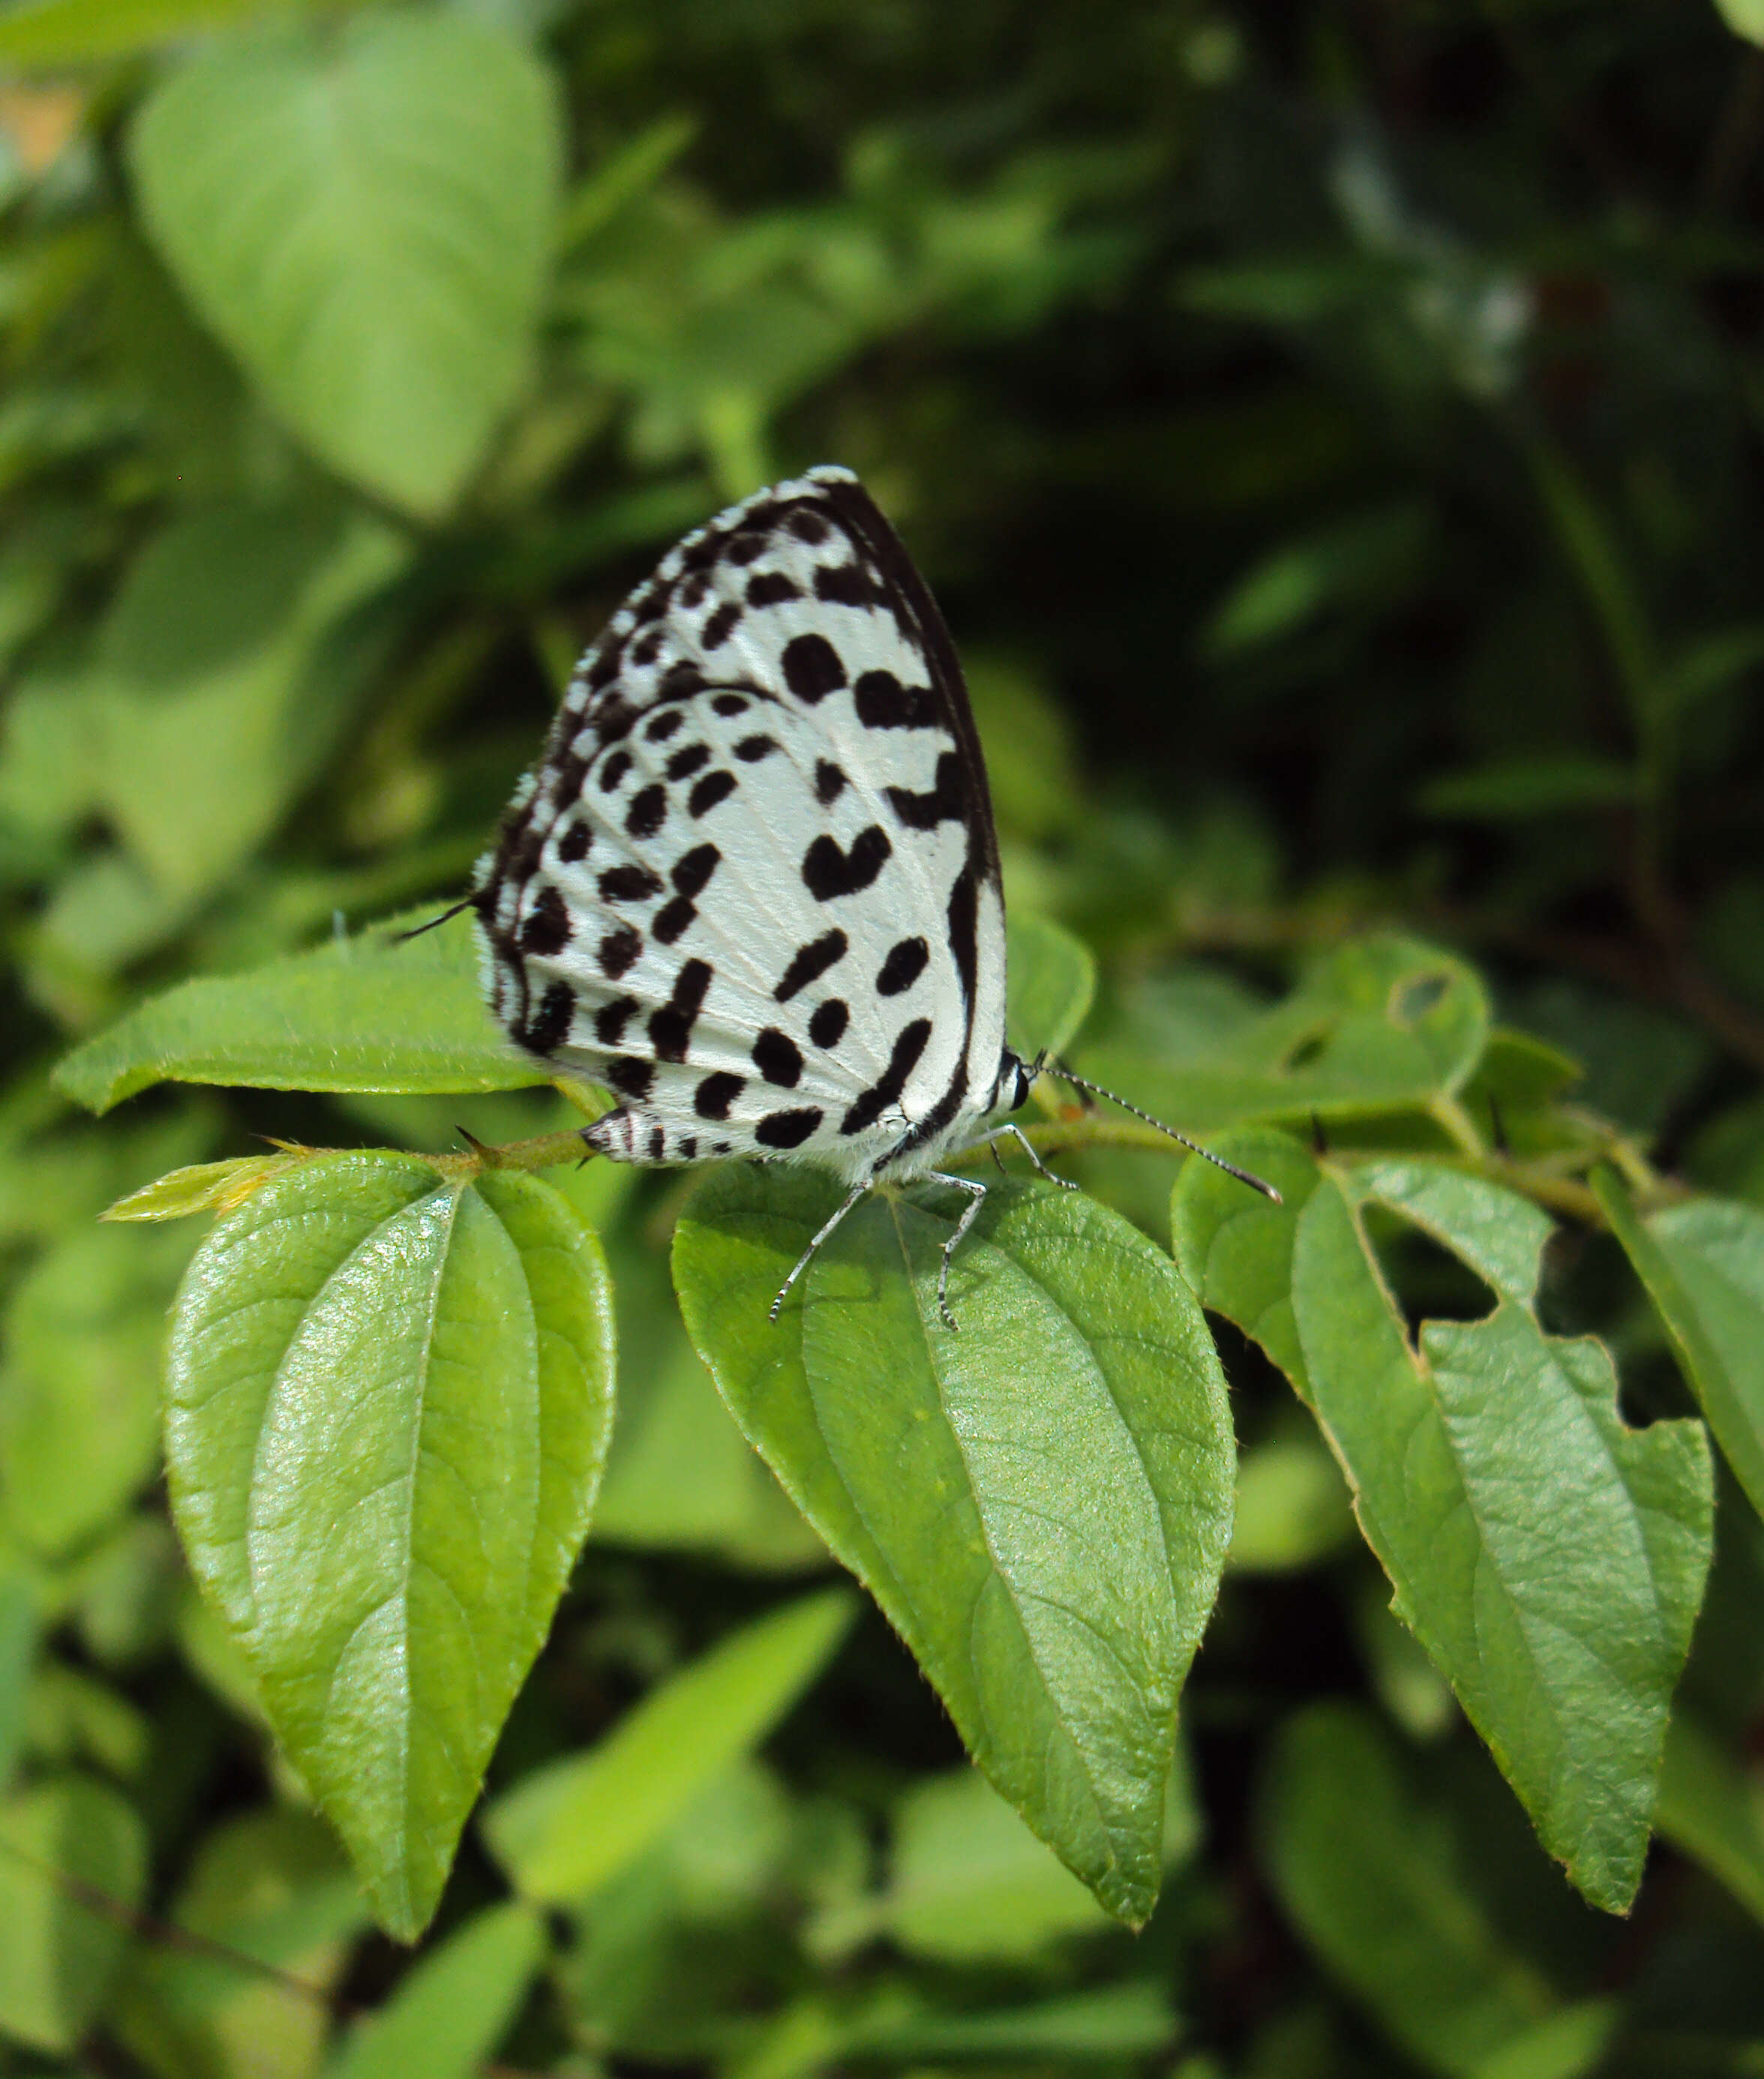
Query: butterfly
752	884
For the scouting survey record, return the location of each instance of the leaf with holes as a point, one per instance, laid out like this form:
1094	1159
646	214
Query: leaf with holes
1550	1559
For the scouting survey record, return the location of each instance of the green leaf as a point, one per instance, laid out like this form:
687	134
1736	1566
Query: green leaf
1713	1808
1514	788
62	33
1382	1025
202	1187
970	1883
79	1393
1108	2025
1367	556
1745	18
1550	1560
1051	979
1040	1503
365	217
450	2014
270	1885
565	1829
1368	1875
1703	1264
220	693
19	1625
389	1400
360	1014
59	1955
1292	1507
680	1475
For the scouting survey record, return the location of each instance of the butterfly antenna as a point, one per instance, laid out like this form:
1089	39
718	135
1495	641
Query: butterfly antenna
1194	1147
399	937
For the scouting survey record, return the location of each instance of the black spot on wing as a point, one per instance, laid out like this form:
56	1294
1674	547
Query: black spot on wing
808	526
787	1129
946	803
670	1027
830	781
688	760
721	625
826	1028
630	1074
772	588
548	1027
812	668
573	845
629	883
883	702
829	872
808	962
614	770
672	919
648	810
886	1090
903	967
848	585
717	1093
647	647
610	1019
547	928
662	726
618	950
692	869
707	793
751	749
778	1058
731	704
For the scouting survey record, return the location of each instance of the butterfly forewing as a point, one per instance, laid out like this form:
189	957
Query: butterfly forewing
752	885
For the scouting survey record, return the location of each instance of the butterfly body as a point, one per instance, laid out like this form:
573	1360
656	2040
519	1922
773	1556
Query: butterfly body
752	884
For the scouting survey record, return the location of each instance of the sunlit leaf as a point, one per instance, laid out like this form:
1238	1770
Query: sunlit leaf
389	1398
362	1014
366	218
1040	1502
1544	1553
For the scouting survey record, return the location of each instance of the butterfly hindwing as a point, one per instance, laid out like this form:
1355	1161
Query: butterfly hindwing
752	884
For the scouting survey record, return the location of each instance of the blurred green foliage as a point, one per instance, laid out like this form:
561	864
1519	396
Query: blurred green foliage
1335	433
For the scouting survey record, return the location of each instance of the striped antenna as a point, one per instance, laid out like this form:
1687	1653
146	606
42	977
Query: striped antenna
399	937
1194	1148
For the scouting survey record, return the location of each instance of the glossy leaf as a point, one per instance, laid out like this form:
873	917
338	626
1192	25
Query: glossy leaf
366	222
1703	1264
389	1398
362	1014
1040	1503
567	1829
1550	1559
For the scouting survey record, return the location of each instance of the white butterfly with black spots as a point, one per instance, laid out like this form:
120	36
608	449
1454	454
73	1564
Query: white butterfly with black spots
752	884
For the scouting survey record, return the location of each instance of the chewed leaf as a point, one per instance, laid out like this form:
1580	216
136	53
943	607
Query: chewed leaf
1384	1024
389	1399
1550	1558
1040	1503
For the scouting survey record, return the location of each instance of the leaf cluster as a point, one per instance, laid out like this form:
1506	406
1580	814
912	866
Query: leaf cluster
1335	440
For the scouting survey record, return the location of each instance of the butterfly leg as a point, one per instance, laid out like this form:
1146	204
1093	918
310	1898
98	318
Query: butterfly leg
807	1257
976	1199
1023	1141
